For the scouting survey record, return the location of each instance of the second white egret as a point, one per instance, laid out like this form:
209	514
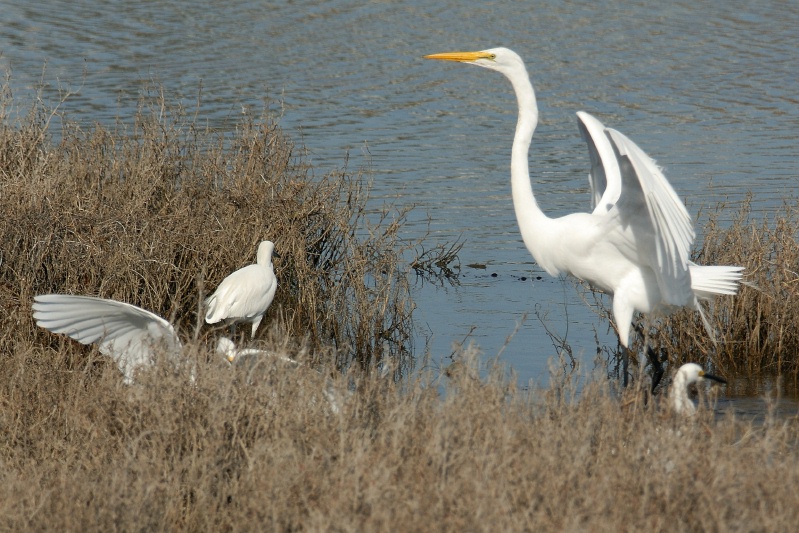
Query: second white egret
236	356
687	374
246	294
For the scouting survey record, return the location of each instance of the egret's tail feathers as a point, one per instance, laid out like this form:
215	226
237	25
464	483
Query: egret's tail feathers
708	281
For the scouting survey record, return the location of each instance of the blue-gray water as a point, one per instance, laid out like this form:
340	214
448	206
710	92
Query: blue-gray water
707	88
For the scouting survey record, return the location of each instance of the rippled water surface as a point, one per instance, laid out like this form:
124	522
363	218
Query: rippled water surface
706	88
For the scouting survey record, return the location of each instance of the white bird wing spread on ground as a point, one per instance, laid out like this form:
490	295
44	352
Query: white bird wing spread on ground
649	203
122	331
604	178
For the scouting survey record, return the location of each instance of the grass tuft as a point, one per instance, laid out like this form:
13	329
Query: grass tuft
158	213
756	330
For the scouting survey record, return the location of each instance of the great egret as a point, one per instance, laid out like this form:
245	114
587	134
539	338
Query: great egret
127	334
678	393
246	294
636	243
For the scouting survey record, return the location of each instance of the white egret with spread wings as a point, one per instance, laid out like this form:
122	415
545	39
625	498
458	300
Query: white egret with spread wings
635	245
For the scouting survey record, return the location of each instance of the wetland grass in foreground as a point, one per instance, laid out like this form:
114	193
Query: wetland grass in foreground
243	451
156	212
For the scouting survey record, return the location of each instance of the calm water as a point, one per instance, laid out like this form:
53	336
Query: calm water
707	88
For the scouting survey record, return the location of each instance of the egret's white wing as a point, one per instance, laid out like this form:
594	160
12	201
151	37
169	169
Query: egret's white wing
124	332
605	177
648	203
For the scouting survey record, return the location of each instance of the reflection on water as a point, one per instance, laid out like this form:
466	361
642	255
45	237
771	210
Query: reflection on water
763	386
707	88
758	410
757	398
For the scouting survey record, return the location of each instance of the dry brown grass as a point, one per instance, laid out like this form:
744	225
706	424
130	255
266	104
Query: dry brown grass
156	213
757	331
81	452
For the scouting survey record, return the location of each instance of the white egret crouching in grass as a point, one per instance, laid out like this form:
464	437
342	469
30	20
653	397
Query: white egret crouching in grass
687	374
237	356
246	294
127	334
259	366
635	245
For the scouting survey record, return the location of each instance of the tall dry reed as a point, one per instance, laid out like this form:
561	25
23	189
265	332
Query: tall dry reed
156	214
757	330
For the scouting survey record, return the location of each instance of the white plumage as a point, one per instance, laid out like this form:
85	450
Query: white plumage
246	294
618	164
128	334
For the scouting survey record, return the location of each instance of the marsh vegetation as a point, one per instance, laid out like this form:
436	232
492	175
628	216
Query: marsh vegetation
157	211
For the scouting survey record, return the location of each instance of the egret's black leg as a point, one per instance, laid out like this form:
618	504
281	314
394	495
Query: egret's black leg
657	367
625	363
654	358
233	333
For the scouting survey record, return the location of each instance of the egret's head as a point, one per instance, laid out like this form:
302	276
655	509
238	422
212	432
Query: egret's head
694	373
226	348
265	250
500	59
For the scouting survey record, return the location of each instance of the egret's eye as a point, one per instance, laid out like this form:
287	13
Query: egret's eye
492	57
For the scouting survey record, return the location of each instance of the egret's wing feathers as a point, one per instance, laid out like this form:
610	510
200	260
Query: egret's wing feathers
649	203
124	332
605	177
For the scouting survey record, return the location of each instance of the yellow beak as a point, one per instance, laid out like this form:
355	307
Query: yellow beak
462	57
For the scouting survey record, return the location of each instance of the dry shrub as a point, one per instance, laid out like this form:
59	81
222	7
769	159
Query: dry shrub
157	212
465	452
757	330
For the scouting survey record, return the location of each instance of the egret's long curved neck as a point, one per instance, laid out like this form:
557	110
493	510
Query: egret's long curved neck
532	221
